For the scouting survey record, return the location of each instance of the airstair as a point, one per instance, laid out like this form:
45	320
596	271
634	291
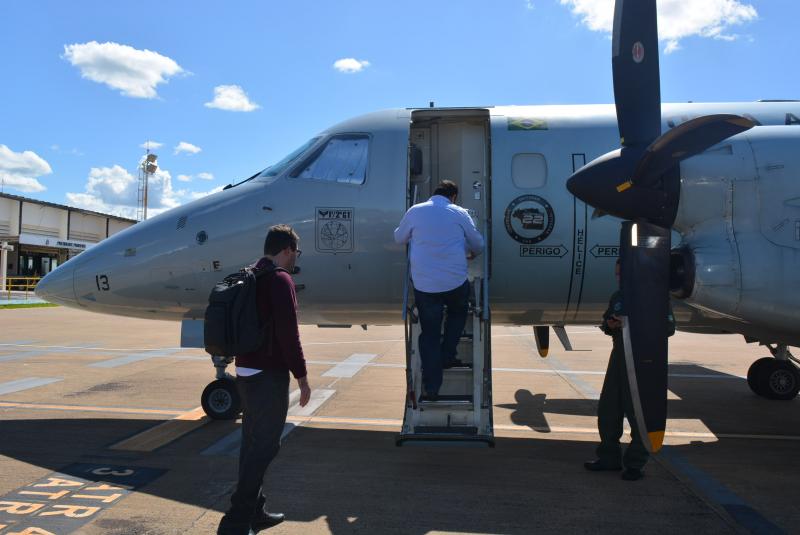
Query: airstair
452	144
463	410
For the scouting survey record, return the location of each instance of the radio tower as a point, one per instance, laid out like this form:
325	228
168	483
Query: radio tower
147	168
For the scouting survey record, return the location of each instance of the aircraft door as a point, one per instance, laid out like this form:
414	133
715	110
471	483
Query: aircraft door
533	220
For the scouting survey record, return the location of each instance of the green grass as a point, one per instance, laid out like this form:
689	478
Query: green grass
28	305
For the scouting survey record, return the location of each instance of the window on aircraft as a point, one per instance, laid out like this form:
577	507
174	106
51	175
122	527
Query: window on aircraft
276	169
529	170
342	159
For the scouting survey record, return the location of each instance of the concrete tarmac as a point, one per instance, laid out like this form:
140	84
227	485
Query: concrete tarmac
87	398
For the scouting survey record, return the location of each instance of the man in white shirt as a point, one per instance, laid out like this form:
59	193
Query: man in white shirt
441	235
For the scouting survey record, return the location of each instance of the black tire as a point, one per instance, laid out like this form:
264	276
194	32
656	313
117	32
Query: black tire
779	379
753	374
221	401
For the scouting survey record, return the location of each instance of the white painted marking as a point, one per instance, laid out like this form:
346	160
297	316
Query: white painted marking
129	359
552	371
230	443
318	397
25	384
351	365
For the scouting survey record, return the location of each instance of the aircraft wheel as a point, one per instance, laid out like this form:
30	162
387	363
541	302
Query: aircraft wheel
778	379
754	372
221	401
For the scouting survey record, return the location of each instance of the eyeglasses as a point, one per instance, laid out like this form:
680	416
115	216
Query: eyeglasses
299	252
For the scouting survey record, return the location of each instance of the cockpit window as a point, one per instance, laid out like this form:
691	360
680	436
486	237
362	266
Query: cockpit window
276	169
343	158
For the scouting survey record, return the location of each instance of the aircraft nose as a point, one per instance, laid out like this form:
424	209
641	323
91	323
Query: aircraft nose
57	287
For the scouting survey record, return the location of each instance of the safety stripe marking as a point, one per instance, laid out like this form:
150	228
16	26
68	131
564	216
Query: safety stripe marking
350	366
25	384
164	433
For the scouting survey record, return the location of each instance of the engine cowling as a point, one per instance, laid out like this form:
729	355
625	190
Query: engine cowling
739	220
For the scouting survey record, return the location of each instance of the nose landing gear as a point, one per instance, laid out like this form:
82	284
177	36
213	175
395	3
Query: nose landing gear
220	399
775	378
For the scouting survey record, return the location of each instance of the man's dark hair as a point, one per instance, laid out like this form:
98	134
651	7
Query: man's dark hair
279	238
446	188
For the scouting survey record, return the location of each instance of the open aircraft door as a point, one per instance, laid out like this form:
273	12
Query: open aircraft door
453	145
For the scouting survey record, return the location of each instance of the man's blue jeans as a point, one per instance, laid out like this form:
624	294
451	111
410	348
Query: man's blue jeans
436	351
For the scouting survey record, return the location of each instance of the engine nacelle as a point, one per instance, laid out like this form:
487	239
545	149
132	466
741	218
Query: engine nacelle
739	218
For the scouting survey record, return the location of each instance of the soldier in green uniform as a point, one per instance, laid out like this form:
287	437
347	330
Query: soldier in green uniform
616	402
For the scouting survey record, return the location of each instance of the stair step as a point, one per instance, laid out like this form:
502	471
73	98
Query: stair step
462	430
447	400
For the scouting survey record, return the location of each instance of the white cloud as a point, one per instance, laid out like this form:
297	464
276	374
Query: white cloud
529	4
20	170
350	65
114	190
185	178
187	147
152	145
231	98
136	73
205	176
677	19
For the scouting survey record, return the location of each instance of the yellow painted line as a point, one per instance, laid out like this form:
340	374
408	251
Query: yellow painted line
162	434
87	408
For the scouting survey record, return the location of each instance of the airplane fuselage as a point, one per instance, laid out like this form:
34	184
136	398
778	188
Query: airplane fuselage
549	261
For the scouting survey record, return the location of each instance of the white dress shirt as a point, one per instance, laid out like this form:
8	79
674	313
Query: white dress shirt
440	234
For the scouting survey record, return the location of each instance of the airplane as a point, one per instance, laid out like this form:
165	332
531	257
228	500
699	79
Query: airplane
720	185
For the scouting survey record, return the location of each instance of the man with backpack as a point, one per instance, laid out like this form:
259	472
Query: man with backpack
263	382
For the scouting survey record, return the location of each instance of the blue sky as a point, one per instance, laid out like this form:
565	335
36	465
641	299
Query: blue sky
85	84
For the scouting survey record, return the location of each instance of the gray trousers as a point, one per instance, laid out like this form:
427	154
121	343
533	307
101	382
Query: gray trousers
265	401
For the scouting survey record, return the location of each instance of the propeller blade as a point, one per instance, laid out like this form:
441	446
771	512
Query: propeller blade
542	335
634	59
687	140
644	284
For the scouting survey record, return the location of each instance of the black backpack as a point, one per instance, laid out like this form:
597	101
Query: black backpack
232	326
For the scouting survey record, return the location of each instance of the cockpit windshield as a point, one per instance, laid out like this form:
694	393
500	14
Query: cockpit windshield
278	168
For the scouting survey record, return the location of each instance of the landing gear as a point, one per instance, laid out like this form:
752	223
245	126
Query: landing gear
775	378
220	399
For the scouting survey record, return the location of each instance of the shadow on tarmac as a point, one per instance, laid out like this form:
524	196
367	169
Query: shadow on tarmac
721	401
360	482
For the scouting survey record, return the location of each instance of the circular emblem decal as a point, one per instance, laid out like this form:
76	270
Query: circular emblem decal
529	219
638	52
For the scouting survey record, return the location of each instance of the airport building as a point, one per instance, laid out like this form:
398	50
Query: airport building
44	235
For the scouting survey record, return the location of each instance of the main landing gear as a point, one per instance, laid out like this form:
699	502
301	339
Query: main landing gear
220	398
775	378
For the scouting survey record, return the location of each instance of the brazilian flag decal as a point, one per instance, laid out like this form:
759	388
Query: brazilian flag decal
526	123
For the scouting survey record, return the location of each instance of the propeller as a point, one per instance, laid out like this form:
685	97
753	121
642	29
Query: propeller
640	182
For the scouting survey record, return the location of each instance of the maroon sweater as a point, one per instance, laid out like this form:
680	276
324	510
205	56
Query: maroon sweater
277	304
